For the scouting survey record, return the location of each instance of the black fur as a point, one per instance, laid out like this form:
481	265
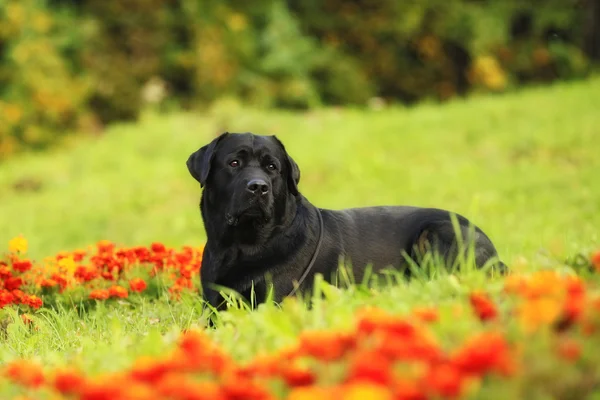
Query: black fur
259	239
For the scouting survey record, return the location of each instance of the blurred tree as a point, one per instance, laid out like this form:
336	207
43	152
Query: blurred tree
70	65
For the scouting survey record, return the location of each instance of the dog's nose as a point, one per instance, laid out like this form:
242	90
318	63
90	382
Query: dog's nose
257	186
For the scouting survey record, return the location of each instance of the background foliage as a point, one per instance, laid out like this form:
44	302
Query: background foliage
77	65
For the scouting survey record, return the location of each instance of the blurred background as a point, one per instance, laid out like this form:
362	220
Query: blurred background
78	65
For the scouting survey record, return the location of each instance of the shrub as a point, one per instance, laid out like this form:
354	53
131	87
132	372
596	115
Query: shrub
42	93
70	65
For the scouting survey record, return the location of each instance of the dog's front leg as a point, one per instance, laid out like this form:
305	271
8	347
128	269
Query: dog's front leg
208	277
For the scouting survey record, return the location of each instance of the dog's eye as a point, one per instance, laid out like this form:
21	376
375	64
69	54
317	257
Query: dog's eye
234	163
272	167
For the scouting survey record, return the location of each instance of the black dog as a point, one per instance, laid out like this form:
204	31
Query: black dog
261	231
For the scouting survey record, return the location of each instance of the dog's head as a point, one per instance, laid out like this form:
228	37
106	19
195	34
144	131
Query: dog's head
246	176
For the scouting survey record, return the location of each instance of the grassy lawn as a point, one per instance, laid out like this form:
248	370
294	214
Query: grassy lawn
524	167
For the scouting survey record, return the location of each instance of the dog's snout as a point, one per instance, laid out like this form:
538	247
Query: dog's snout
257	186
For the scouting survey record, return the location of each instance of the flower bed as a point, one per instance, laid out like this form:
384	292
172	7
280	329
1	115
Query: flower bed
545	333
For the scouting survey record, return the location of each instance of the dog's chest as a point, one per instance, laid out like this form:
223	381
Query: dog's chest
241	268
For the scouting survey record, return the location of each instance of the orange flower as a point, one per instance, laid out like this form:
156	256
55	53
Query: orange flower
325	345
118	291
179	386
445	380
311	393
408	390
33	301
416	344
426	314
483	306
370	366
99	294
366	390
515	284
137	285
544	283
25	373
198	353
140	391
245	389
375	320
101	388
48	283
5	271
68	380
539	312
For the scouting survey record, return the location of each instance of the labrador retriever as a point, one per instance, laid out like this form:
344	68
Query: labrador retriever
264	235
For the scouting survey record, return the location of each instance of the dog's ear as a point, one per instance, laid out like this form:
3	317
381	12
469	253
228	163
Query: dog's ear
199	162
293	171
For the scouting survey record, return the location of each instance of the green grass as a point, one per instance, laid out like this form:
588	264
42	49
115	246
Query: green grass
524	167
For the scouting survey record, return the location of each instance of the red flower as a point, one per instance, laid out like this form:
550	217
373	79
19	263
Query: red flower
296	376
78	255
13	283
486	352
483	306
5	271
576	296
118	291
21	265
19	296
158	247
99	294
370	366
60	279
33	301
137	285
444	380
106	247
146	369
6	298
68	381
86	274
25	373
407	390
245	389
